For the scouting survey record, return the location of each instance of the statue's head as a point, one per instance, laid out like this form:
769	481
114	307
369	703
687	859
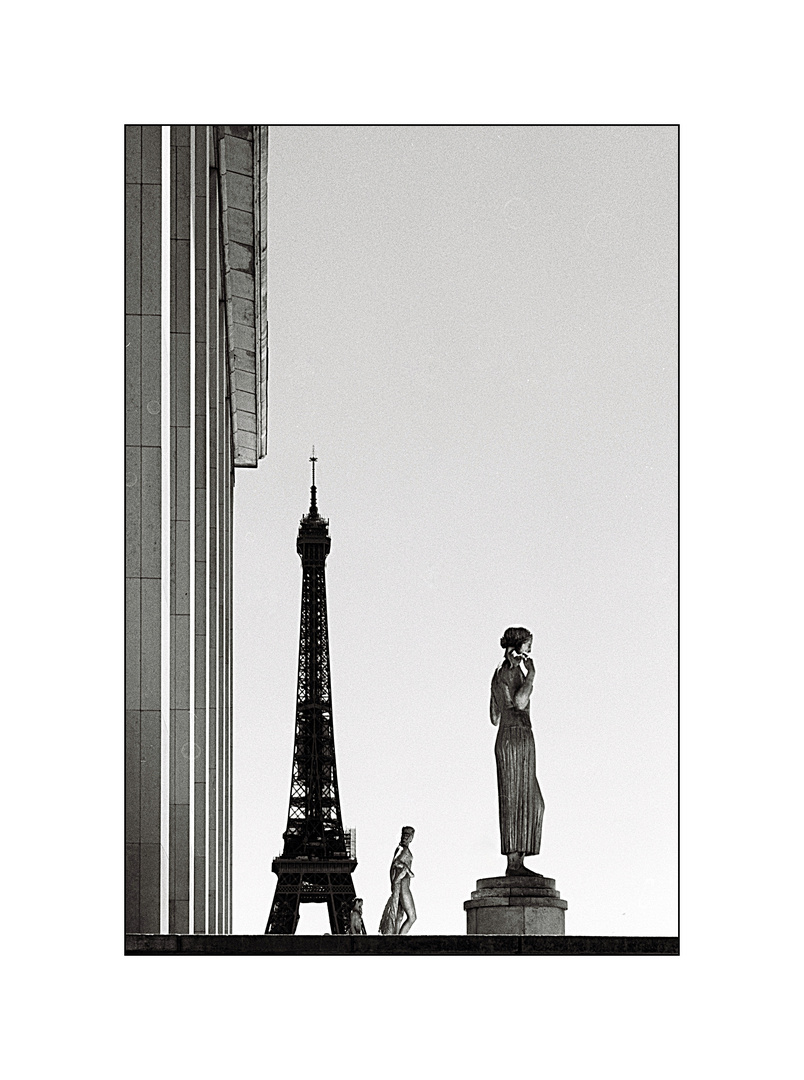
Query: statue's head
515	637
357	903
408	833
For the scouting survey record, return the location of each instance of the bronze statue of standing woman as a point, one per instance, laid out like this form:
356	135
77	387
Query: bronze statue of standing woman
520	800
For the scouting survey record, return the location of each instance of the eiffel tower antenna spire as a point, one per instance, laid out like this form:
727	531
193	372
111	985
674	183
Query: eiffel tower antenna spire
313	504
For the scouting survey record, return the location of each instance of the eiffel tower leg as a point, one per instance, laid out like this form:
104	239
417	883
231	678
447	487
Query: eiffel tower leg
339	902
284	917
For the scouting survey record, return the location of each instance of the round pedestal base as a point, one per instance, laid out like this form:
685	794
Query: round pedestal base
515	905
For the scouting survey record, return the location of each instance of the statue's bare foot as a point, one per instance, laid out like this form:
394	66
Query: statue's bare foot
520	871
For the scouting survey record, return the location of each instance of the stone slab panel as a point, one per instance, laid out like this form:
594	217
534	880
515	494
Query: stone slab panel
180	382
133	142
180	189
243	400
133	220
241	284
150	493
181	568
200	304
133	380
180	662
132	511
243	312
244	359
246	441
180	286
151	251
242	131
544	920
151	363
244	380
132	887
150	643
245	458
180	135
150	858
239	191
240	228
243	338
180	835
181	481
180	916
200	428
151	141
150	776
199	896
200	552
241	256
180	758
200	587
499	920
132	649
132	777
238	155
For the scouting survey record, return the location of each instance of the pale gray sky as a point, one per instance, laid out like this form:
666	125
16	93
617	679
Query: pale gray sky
477	329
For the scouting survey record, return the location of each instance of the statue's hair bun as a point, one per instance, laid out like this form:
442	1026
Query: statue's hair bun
514	637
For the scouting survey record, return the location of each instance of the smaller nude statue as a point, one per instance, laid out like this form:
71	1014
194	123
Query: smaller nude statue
356	917
400	911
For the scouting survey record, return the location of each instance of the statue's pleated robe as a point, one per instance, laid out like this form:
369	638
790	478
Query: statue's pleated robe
520	799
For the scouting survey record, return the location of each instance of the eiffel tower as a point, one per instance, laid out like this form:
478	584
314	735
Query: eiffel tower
315	866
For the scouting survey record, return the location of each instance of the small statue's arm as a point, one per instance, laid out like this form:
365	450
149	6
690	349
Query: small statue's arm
522	696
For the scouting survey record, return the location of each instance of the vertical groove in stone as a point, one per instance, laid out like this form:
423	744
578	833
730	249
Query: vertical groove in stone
163	300
229	560
214	532
221	769
180	508
200	704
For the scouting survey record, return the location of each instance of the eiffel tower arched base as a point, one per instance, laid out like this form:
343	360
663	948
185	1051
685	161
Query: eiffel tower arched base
307	881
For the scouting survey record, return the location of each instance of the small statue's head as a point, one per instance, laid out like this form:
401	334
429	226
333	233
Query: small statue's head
357	904
408	833
515	637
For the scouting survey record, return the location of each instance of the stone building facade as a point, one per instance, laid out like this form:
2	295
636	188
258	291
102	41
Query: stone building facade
196	409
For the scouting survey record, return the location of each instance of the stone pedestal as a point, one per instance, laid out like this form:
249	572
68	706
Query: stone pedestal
515	905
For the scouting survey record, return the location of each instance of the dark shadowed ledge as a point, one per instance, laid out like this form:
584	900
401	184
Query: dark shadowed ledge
411	945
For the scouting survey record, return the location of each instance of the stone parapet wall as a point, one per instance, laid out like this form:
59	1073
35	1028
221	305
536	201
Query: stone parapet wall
409	945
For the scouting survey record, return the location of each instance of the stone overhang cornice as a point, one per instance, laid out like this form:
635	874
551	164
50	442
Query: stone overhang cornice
243	176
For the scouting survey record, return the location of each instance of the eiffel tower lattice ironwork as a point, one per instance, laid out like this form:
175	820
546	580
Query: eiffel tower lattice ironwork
315	865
